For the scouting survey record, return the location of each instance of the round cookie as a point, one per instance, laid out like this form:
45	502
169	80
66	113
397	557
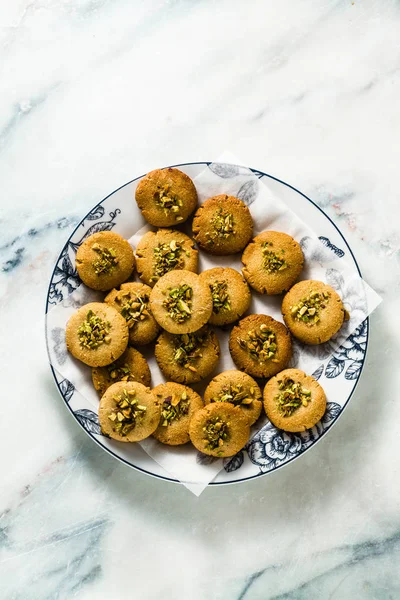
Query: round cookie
131	366
181	302
220	429
272	262
230	294
189	357
294	401
260	346
178	405
166	197
238	389
313	311
104	260
132	302
222	225
129	412
162	251
96	334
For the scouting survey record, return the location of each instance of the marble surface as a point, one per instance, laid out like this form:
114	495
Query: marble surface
96	92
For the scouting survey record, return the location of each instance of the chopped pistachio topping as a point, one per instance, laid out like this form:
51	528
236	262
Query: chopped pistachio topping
166	258
173	408
134	306
168	201
271	261
291	396
260	344
106	261
93	331
220	297
308	309
222	224
215	433
127	412
188	348
120	372
235	394
179	303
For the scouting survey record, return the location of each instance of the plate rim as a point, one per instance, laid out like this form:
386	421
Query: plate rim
171	479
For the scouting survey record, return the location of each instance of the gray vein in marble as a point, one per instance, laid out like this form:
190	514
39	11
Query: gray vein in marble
60	223
249	583
285	102
21	111
18	253
347	556
78	563
53	538
372	83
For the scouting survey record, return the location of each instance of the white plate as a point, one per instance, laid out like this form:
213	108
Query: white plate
271	448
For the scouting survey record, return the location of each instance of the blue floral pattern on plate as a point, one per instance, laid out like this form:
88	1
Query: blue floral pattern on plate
272	447
350	356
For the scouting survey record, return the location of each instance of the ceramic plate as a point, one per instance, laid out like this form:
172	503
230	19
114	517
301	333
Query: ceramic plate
271	448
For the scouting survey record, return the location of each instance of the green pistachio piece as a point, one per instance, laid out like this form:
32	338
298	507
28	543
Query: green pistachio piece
106	261
291	396
179	303
220	297
93	331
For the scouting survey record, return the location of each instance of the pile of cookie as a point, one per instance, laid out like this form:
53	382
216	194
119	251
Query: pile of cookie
176	307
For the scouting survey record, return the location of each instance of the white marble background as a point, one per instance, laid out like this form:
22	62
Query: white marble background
96	92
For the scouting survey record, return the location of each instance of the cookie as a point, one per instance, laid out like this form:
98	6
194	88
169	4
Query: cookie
132	302
189	357
162	251
230	294
313	311
272	262
166	197
181	302
178	405
104	260
129	412
96	334
238	389
260	346
131	366
294	401
220	429
222	225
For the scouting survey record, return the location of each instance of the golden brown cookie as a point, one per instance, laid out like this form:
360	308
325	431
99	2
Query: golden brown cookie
189	357
132	302
272	262
222	225
96	334
178	405
260	345
166	197
181	302
313	311
129	412
294	401
239	389
104	260
131	366
230	294
220	429
162	251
